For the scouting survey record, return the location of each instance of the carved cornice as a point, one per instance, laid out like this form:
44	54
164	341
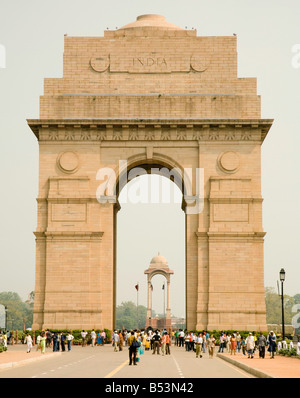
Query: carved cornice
69	235
197	130
228	235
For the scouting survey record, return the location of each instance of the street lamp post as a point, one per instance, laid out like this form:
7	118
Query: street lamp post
6	309
282	279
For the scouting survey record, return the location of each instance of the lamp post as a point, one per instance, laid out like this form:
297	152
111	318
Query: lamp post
6	309
163	288
137	304
282	279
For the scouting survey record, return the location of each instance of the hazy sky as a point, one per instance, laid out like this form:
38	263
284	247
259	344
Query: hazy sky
32	33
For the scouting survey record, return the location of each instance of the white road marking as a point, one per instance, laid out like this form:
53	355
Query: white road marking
178	368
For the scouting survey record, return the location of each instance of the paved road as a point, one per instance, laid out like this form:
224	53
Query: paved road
103	362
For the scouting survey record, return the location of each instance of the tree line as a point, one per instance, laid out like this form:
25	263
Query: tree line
129	316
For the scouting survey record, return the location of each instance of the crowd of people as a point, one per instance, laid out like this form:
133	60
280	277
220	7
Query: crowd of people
159	342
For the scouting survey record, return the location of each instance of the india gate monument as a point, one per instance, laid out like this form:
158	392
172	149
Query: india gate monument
150	96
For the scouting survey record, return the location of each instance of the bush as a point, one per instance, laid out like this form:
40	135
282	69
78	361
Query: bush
289	353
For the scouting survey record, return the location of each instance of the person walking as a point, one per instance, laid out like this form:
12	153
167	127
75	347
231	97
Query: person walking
262	342
221	348
99	339
62	341
38	342
156	342
48	338
132	343
70	337
121	341
211	342
116	340
181	338
43	342
243	343
163	343
272	344
54	341
83	338
199	344
233	344
58	342
250	345
4	338
238	341
168	343
204	342
103	336
176	338
228	338
187	341
93	337
28	341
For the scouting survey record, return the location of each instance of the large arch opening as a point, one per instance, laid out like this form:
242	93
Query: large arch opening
149	218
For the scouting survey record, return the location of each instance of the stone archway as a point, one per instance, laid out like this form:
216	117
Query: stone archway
150	93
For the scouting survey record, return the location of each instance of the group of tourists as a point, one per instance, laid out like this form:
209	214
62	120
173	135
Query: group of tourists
62	341
230	343
139	341
248	345
95	339
199	343
159	342
47	339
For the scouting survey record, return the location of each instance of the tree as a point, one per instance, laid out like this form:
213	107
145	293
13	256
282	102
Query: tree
297	298
19	314
273	306
127	316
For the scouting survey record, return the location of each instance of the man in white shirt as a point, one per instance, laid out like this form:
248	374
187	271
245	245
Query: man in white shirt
83	336
116	340
181	338
70	337
28	340
93	337
199	342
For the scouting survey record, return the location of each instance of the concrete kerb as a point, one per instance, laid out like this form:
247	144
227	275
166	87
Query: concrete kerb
8	365
248	369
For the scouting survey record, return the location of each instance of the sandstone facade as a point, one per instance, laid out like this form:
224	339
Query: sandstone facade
149	93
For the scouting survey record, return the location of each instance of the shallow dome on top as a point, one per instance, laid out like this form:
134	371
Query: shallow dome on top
153	21
159	262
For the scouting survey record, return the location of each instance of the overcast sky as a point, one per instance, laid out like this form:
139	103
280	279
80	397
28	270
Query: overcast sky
32	33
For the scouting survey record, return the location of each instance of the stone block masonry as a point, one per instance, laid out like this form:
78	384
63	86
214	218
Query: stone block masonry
150	93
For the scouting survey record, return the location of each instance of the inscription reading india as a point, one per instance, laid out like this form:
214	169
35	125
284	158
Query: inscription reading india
149	61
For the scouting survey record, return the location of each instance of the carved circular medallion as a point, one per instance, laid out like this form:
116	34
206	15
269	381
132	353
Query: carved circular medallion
68	162
229	162
100	64
199	63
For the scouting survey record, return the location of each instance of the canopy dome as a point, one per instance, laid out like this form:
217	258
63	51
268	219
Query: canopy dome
151	20
159	261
